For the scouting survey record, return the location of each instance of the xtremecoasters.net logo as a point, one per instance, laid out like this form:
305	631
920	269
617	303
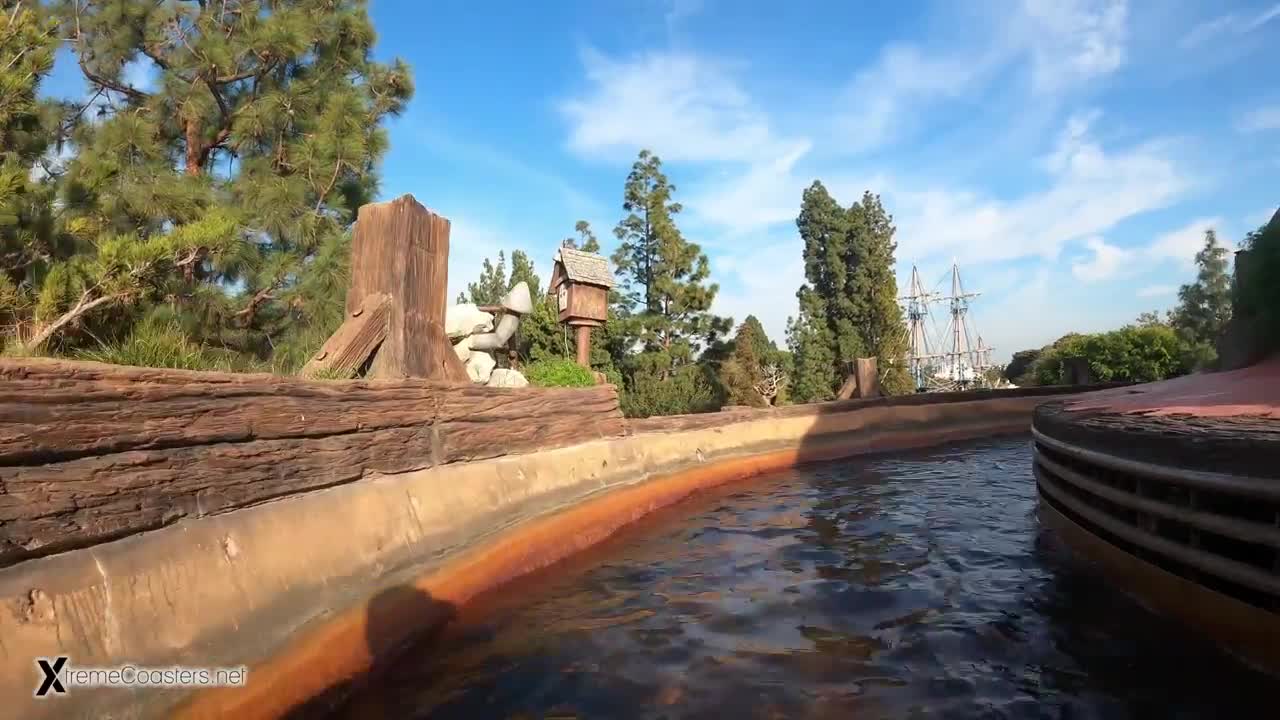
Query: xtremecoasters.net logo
58	675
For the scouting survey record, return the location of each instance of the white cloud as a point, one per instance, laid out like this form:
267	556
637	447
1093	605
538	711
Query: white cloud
1091	189
683	106
1156	291
1107	260
1181	245
1064	43
879	97
742	199
1260	119
1228	24
1075	41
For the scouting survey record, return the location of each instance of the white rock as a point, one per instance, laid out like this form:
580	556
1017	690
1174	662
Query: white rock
506	377
462	349
466	319
479	366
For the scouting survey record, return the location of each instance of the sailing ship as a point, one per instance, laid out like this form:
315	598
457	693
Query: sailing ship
955	358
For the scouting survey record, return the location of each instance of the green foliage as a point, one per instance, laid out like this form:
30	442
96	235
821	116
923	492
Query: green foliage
29	129
586	240
223	190
1132	353
661	273
688	389
1258	291
1204	306
852	290
756	372
1019	364
812	348
743	373
159	342
491	286
540	335
558	373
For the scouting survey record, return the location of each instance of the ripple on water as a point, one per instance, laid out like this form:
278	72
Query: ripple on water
895	586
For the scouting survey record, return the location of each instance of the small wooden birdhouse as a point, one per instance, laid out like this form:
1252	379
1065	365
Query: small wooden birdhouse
580	283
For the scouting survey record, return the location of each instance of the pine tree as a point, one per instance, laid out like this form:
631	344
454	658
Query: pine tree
873	292
849	266
1204	306
29	129
743	371
809	337
661	273
586	240
253	144
491	286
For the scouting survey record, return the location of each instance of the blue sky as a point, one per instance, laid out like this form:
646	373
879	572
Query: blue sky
1068	153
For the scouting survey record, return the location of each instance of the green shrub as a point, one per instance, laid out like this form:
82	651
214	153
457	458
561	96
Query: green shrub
689	389
161	343
558	373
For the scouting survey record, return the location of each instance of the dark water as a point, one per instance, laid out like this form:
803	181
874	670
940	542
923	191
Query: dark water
918	585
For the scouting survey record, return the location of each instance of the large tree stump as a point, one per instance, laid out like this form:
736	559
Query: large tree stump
400	248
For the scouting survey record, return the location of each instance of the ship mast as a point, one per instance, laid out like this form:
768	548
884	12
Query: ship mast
962	360
918	331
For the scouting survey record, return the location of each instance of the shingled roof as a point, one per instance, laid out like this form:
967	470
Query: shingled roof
585	267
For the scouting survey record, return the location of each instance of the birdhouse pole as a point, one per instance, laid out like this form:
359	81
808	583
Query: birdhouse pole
584	345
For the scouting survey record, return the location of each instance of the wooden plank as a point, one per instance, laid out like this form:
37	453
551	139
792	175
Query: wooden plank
868	377
90	452
402	249
354	342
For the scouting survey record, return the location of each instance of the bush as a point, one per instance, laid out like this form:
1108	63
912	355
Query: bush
161	343
689	389
558	373
1137	354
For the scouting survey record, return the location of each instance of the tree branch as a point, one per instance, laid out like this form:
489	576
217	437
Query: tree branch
111	84
83	306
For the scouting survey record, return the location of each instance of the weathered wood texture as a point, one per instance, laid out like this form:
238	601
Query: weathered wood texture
584	345
402	249
351	346
89	452
867	372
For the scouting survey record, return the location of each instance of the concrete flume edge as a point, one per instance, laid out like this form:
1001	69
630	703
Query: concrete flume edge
285	586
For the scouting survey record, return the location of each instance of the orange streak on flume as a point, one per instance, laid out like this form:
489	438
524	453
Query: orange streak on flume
337	651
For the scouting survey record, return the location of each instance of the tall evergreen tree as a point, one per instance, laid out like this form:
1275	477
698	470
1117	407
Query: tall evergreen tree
1204	306
851	289
873	290
226	184
829	262
663	274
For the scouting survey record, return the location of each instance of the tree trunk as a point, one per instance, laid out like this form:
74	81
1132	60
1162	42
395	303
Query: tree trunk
195	149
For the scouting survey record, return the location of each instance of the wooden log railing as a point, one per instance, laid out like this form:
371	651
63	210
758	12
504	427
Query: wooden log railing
91	452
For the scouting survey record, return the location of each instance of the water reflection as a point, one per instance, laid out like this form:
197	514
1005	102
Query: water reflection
907	586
